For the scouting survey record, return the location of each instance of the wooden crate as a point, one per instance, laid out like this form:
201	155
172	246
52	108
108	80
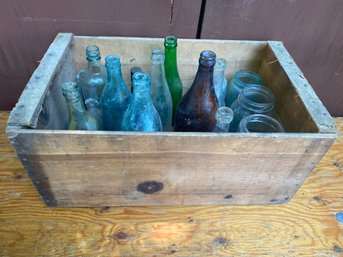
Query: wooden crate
101	168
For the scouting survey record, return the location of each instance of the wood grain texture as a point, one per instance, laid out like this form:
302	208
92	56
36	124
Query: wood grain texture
306	226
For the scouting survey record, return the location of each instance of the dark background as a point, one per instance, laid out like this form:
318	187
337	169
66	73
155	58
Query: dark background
312	31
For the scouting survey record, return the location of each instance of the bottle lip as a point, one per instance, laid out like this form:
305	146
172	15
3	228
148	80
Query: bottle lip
157	55
257	98
220	64
207	58
272	125
93	53
140	81
170	41
243	78
112	60
224	115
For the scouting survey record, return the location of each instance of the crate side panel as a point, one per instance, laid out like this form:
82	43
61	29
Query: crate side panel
137	52
161	170
26	111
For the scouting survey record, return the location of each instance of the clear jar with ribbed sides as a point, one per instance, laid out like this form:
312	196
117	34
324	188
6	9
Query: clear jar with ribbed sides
259	123
254	99
239	81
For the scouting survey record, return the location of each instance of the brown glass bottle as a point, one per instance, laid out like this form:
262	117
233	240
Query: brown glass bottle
197	109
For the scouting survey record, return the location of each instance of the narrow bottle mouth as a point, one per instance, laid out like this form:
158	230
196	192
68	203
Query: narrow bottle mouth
112	61
140	81
259	123
70	90
207	58
93	53
220	64
224	115
170	41
157	55
245	77
257	98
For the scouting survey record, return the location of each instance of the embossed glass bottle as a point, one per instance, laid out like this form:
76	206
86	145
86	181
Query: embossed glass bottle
115	96
254	99
141	114
197	108
219	80
159	89
79	118
239	81
92	80
172	74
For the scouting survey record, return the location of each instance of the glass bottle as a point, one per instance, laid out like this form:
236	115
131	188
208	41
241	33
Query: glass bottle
159	89
254	99
197	108
115	97
133	70
224	117
79	118
172	74
257	123
92	81
141	114
219	80
240	80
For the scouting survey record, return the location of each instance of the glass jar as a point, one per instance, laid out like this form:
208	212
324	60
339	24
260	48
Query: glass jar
240	80
257	123
254	99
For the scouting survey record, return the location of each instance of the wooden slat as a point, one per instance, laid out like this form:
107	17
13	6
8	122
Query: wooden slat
27	110
306	226
100	168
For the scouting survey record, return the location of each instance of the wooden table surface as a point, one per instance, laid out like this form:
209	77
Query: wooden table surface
306	226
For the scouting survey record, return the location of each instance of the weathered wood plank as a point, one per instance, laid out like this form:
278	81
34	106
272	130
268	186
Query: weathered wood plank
28	108
306	226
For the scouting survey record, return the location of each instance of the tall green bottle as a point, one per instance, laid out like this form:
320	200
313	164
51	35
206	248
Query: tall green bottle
172	74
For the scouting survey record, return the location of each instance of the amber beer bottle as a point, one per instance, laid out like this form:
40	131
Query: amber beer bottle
197	108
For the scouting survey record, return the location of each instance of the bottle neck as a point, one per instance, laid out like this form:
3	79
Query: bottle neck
157	70
170	58
75	107
94	65
115	78
205	76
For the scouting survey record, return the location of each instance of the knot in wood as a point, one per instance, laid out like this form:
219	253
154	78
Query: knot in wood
150	187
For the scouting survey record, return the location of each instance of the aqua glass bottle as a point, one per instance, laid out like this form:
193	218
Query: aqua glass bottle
141	114
240	80
159	89
92	80
115	96
172	74
197	108
219	80
79	118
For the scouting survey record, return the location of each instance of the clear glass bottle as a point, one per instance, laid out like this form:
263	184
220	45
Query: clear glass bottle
92	80
220	81
224	117
79	118
240	80
159	89
172	74
254	99
259	123
115	96
197	108
141	114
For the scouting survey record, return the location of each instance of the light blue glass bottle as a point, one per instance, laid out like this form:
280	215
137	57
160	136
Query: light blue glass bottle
219	81
141	114
115	96
159	89
92	80
239	81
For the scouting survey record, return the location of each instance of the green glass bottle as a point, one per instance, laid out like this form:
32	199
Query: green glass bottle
80	119
172	74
